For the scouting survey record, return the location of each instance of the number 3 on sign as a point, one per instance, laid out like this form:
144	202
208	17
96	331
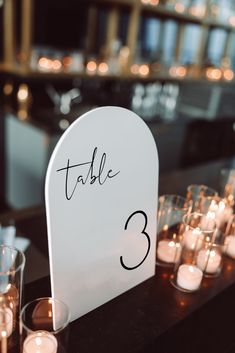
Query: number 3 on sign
142	232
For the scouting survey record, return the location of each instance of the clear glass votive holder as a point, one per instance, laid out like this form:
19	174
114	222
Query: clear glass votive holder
44	326
218	209
171	210
227	185
188	272
229	238
196	193
12	262
209	259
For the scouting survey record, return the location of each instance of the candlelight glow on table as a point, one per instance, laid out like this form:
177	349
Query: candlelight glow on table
40	342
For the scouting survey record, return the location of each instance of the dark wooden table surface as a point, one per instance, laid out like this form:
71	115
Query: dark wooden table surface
153	316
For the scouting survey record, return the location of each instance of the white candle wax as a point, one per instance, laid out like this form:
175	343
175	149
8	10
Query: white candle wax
222	212
189	277
40	342
229	245
209	261
193	239
208	221
6	321
168	251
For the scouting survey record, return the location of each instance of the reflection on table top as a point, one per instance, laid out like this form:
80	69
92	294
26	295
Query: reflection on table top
153	316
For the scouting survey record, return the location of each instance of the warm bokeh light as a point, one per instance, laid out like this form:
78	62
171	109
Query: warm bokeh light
67	61
144	70
56	65
145	2
45	64
154	2
179	7
103	68
197	10
165	275
213	74
91	66
8	88
63	124
181	71
135	69
178	71
22	114
232	21
172	71
23	93
182	303
228	74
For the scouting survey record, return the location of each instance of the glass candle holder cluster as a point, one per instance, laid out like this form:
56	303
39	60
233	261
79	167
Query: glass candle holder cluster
41	326
171	210
195	232
199	256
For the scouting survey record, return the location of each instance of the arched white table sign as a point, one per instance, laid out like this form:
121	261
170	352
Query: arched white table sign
101	206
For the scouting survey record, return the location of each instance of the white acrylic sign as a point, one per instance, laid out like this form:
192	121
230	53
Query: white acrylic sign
101	205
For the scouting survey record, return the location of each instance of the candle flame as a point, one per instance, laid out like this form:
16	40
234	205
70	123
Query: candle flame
38	341
191	268
210	215
4	333
196	231
221	205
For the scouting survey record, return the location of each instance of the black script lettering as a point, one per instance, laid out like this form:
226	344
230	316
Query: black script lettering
90	176
142	232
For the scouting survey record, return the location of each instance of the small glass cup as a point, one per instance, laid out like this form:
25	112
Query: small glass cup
44	326
227	185
171	210
196	193
217	208
229	238
12	262
188	272
209	259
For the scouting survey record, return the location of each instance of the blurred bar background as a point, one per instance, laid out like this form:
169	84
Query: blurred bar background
170	61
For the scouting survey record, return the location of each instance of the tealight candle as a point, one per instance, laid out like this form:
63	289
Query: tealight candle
222	212
6	321
229	245
40	342
208	221
189	277
193	239
168	251
209	260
